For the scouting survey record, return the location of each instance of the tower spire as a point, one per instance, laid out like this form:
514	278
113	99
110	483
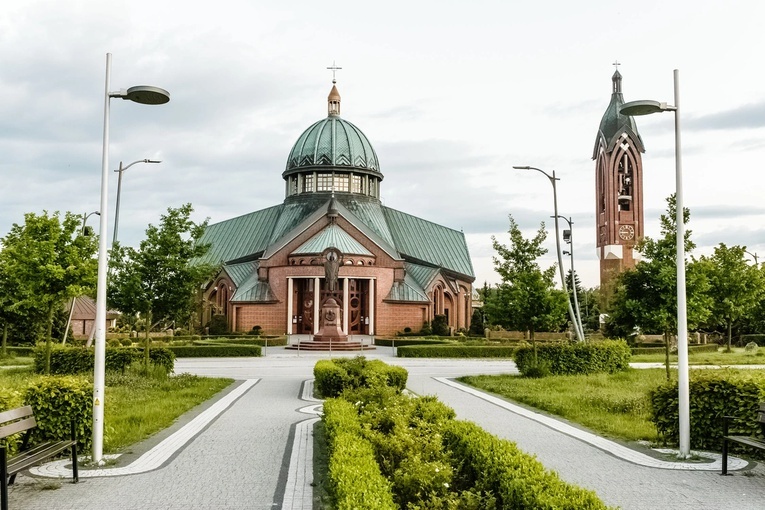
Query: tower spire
333	101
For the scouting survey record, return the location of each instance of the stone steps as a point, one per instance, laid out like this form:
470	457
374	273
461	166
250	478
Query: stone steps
330	345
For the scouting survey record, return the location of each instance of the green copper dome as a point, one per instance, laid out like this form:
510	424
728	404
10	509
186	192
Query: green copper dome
332	143
613	123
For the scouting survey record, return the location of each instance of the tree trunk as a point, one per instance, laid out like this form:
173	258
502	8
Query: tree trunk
147	344
49	339
730	335
5	340
667	343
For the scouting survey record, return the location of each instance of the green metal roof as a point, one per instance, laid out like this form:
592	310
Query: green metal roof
423	275
240	272
332	237
240	237
421	240
332	142
613	123
407	291
254	291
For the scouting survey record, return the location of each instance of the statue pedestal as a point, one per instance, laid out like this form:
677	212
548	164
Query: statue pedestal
330	331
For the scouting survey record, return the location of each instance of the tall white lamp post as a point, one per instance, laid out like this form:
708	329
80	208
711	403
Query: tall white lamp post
568	238
552	179
143	95
645	108
120	170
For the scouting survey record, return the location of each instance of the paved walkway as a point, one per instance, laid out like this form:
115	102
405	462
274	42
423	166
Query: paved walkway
252	448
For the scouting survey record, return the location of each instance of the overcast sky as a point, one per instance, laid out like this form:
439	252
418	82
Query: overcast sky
450	94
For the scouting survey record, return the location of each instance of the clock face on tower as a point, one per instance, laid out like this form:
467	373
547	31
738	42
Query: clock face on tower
626	232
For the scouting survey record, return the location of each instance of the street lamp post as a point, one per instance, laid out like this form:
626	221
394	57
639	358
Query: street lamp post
645	108
552	179
754	256
569	239
143	95
120	170
85	217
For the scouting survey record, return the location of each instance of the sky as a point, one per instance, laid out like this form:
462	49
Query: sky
451	95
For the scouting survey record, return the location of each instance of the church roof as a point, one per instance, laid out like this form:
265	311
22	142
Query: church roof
332	237
332	142
613	123
408	291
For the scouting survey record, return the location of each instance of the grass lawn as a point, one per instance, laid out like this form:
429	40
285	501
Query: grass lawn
737	357
13	360
615	405
136	406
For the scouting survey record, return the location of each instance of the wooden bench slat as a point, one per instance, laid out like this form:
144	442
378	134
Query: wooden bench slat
29	458
15	414
18	426
747	440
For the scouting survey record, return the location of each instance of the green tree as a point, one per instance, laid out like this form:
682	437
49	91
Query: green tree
45	263
646	296
526	299
735	287
157	280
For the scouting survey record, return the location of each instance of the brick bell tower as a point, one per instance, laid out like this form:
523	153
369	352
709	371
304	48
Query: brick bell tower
618	191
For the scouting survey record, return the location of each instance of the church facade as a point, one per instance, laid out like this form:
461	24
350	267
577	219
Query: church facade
332	238
618	190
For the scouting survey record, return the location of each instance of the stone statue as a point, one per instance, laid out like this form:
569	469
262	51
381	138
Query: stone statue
331	269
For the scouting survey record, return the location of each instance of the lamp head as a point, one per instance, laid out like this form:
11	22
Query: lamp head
645	107
146	94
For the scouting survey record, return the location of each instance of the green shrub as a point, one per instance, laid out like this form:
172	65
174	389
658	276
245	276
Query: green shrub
456	351
426	329
214	351
333	377
713	394
218	325
440	325
660	350
486	464
117	359
757	338
402	342
64	360
262	341
56	400
609	356
163	357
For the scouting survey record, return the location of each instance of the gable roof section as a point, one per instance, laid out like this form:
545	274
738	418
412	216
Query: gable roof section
239	273
240	237
408	291
332	237
423	275
429	242
254	291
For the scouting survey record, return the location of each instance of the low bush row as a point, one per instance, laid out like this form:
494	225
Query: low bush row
77	360
401	342
55	401
660	350
214	351
456	351
414	449
713	394
333	377
261	341
609	356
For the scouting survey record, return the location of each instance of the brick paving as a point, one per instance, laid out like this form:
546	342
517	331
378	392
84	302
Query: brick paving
255	453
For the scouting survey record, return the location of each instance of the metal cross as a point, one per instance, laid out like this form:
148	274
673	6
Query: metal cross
616	64
334	68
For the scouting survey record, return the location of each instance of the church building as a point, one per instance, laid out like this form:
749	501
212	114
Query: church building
618	190
332	253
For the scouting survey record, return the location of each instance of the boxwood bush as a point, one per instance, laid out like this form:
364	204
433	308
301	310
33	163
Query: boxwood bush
214	351
456	351
56	401
78	360
332	377
713	394
609	356
401	342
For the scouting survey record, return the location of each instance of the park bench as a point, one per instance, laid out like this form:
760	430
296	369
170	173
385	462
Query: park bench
19	420
745	440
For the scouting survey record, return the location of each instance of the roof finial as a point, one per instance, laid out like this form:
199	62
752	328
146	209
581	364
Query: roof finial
334	68
617	78
616	64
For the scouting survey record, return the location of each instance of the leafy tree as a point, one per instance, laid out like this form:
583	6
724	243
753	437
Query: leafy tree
526	299
735	286
45	262
157	280
646	296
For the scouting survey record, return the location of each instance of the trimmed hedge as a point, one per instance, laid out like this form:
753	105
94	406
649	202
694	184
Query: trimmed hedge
261	341
58	400
214	351
456	351
332	377
485	463
660	350
354	475
77	360
402	342
713	394
609	356
20	350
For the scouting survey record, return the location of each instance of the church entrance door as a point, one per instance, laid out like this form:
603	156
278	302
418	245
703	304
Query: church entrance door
358	307
303	296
